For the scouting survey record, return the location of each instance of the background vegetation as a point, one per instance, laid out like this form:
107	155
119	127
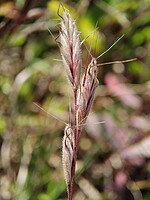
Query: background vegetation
113	158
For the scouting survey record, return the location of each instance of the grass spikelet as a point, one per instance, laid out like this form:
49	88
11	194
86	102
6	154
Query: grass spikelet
85	97
70	49
67	153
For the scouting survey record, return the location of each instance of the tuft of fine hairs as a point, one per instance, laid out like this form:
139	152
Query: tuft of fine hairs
70	49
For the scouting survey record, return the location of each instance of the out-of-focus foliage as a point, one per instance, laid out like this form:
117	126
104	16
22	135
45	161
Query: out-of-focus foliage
113	157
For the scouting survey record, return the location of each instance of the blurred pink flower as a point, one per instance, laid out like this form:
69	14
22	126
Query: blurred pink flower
124	94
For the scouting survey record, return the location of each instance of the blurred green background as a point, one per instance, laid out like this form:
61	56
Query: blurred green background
113	157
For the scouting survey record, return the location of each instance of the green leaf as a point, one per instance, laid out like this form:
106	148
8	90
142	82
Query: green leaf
135	68
2	124
88	30
55	189
43	197
17	39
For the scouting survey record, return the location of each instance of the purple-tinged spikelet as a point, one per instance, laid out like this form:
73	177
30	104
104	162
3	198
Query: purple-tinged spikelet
67	153
86	93
70	49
